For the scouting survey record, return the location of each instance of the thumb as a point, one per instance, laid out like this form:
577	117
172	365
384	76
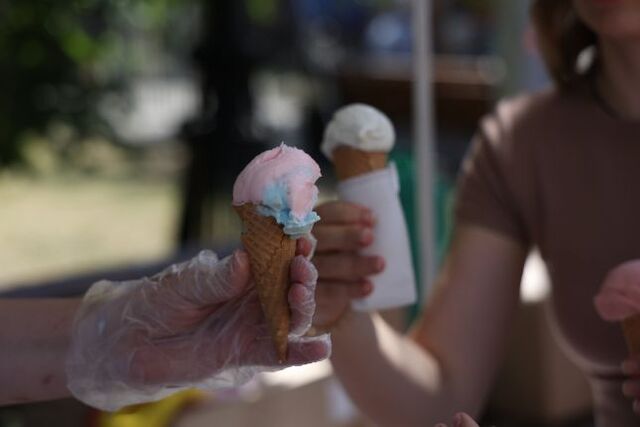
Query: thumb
231	278
213	281
300	351
309	349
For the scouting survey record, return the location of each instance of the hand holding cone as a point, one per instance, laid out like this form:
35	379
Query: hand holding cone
619	301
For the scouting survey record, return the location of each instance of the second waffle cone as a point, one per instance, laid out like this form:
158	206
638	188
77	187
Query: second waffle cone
350	162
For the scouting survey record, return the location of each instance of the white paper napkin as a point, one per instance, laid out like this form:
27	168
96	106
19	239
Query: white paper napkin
379	191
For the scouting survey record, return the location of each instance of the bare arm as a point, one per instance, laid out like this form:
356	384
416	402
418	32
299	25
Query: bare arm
448	361
34	338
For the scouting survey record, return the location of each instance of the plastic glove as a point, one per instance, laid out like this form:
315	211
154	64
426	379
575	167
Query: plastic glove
196	324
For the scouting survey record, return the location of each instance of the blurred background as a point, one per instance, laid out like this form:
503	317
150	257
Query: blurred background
123	124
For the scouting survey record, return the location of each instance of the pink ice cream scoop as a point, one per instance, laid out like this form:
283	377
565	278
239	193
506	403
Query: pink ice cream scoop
281	182
619	297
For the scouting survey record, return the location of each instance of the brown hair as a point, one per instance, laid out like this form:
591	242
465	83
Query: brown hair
561	37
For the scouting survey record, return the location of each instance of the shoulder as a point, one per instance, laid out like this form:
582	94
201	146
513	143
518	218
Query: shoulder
531	117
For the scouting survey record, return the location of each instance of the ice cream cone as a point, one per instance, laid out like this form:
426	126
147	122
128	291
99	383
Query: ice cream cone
270	252
350	162
631	329
274	196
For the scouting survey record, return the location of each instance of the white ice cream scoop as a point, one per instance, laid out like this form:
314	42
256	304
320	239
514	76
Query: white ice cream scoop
359	126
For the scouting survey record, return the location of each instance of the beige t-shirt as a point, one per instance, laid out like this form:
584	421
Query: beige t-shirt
553	170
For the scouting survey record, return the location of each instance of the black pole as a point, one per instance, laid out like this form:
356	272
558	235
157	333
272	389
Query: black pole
214	138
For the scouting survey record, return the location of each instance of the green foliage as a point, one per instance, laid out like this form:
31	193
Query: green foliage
262	11
59	57
47	49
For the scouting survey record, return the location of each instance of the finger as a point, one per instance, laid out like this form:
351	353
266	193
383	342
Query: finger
301	295
300	351
463	420
308	350
204	280
306	245
334	299
636	406
302	305
339	212
342	237
349	267
230	278
330	292
332	302
303	271
239	271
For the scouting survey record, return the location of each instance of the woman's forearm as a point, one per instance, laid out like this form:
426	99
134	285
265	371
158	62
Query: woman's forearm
34	337
396	379
391	378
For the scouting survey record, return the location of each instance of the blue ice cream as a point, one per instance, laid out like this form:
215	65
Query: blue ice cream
281	183
275	204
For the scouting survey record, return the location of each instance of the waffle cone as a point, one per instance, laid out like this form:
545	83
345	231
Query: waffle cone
631	329
350	162
270	252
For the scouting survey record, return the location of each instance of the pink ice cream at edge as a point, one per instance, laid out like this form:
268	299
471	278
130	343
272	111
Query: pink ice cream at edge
619	296
282	182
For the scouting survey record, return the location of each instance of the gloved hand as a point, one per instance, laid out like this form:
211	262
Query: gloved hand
196	324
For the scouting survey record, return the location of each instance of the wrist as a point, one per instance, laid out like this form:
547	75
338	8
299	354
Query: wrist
348	326
37	331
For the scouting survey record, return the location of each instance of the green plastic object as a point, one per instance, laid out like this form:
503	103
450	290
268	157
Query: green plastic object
443	196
